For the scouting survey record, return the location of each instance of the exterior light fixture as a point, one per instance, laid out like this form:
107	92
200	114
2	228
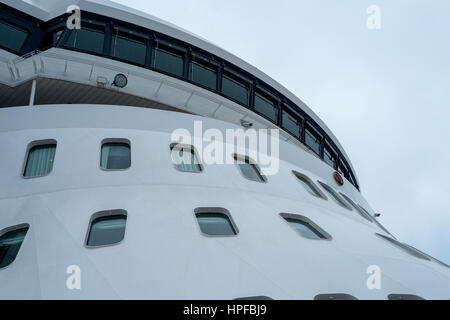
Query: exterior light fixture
246	124
120	80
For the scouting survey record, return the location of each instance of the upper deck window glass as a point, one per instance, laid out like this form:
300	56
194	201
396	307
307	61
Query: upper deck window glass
309	185
169	61
342	168
312	140
204	75
88	38
107	229
115	156
305	226
40	160
291	124
12	37
51	38
10	243
184	158
248	169
235	89
129	47
266	107
335	196
329	155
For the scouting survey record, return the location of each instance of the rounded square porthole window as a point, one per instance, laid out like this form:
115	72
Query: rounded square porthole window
305	227
216	222
184	158
404	297
106	228
334	296
40	157
335	196
11	240
405	247
249	169
309	185
115	154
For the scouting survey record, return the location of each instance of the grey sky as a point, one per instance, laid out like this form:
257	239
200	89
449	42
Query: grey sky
384	93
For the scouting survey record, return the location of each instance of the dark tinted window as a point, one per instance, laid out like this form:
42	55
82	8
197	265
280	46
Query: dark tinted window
329	155
12	37
215	224
342	168
204	75
308	184
249	170
115	156
291	124
358	209
107	230
10	243
235	89
312	140
404	297
40	160
169	61
51	38
305	226
184	159
129	47
335	196
87	39
266	107
407	248
334	296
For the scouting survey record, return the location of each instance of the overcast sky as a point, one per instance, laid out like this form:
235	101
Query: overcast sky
384	93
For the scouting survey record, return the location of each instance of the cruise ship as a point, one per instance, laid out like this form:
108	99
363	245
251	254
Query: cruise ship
98	200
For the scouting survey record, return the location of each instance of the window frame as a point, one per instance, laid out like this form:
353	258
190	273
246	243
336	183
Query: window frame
215	210
327	147
316	133
14	228
320	194
172	48
30	146
335	296
247	159
306	220
186	146
267	95
90	24
340	201
358	209
101	214
237	77
404	247
196	58
114	141
13	21
133	34
285	108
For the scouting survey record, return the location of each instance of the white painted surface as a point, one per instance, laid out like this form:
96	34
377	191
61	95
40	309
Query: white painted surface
164	255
